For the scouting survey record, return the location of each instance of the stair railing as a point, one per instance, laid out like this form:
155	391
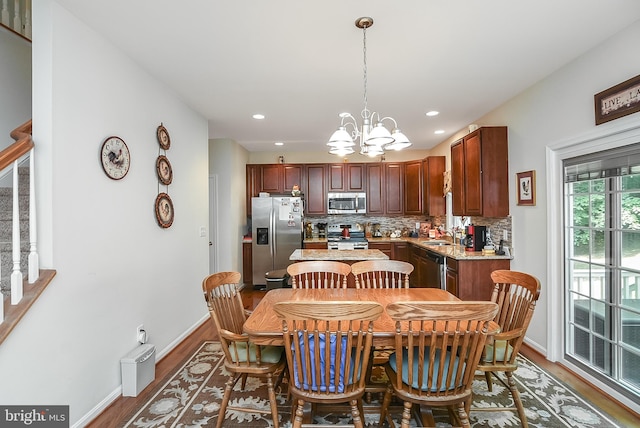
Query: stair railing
15	15
10	157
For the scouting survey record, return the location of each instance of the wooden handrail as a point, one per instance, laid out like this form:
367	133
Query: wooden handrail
21	147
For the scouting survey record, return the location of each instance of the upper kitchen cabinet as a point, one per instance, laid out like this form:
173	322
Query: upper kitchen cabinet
394	188
272	178
480	173
346	177
413	179
292	175
433	185
316	189
375	188
385	188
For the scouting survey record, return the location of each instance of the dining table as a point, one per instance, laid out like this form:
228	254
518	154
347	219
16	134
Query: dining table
265	328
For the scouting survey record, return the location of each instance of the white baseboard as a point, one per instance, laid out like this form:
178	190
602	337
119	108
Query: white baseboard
116	393
537	347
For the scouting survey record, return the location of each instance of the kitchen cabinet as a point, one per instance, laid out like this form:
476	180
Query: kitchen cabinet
433	200
413	188
316	189
480	173
291	176
385	190
375	188
314	245
471	279
247	262
400	251
272	178
385	247
346	177
252	186
393	188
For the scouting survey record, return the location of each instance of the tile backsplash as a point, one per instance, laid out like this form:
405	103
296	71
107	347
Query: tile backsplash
496	226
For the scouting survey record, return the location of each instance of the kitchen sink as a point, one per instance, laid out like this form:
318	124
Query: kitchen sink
436	242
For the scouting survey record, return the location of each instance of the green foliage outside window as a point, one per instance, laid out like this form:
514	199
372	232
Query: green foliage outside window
589	213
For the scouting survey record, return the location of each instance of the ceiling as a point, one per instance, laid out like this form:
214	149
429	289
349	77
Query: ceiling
300	63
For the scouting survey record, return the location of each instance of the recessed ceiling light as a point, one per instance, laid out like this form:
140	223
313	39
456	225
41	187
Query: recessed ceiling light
439	131
433	113
258	116
279	143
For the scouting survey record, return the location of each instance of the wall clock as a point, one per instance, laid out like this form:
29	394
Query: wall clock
163	137
163	168
164	210
115	157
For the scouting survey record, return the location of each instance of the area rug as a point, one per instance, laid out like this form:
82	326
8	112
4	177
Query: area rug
191	398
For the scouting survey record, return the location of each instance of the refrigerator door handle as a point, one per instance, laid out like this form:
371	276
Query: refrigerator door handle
272	226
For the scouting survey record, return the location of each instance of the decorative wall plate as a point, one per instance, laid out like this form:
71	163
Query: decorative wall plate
163	137
164	210
115	157
163	168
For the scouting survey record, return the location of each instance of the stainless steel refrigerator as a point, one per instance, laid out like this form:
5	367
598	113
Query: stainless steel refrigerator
276	229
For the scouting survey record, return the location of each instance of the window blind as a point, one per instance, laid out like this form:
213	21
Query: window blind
609	163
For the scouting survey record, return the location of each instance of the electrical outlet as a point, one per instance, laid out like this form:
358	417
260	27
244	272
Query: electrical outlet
141	334
505	235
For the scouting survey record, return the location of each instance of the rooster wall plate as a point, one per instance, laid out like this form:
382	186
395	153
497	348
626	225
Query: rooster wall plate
115	157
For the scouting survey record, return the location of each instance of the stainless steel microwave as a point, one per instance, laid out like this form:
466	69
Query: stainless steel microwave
347	203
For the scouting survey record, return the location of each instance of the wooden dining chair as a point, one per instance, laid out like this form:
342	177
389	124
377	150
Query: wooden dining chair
516	294
319	274
242	358
327	346
438	347
382	274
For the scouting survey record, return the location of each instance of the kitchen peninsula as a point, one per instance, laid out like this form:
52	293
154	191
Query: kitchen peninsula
346	256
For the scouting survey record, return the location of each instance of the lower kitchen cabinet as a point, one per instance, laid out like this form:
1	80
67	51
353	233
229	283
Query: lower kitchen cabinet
314	245
471	279
385	247
400	251
247	272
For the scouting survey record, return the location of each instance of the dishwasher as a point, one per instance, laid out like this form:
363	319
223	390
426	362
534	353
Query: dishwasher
435	269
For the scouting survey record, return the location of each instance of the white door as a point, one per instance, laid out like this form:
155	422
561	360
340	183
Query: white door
213	223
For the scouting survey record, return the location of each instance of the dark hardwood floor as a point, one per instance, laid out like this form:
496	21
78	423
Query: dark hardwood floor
115	415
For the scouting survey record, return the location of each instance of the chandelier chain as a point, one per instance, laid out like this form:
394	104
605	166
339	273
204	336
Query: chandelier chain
365	112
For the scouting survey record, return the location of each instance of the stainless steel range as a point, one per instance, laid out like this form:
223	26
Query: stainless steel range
355	240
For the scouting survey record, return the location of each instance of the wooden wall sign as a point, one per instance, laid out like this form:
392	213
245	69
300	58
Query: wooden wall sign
618	101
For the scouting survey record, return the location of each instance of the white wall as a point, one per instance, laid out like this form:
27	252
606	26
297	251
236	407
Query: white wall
227	161
557	114
116	268
15	84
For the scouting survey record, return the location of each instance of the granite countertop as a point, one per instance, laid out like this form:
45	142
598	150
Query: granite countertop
457	252
338	255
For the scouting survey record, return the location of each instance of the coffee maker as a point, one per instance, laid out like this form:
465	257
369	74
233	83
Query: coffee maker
322	230
476	237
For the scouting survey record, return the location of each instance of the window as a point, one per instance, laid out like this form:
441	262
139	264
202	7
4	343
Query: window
602	265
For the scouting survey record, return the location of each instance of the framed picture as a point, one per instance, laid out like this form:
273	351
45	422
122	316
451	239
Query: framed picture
618	101
164	171
163	137
526	185
164	210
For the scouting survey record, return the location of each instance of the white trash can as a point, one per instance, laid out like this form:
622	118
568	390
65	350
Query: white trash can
138	370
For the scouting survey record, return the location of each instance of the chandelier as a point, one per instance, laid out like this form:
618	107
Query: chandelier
374	137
